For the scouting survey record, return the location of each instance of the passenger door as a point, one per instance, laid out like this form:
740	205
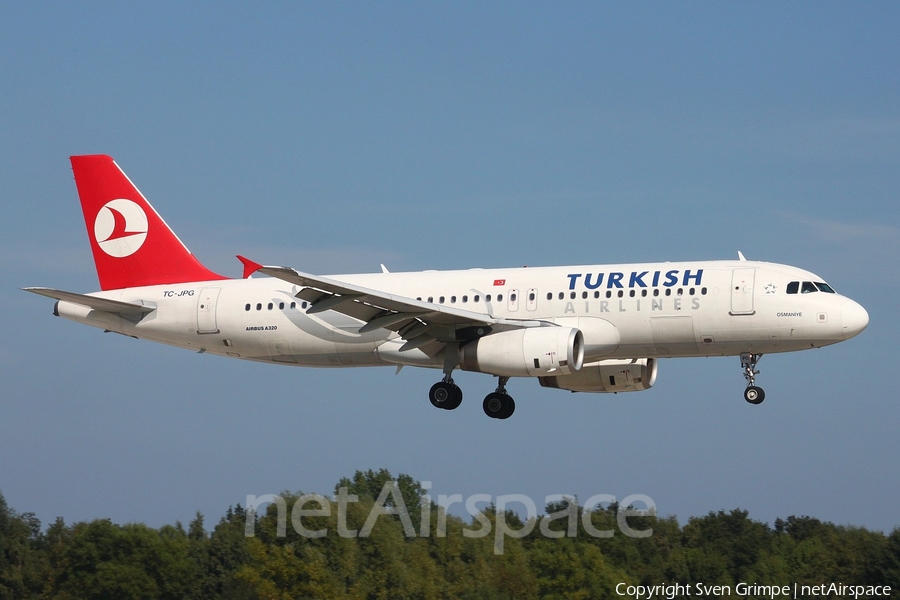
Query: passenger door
742	291
206	310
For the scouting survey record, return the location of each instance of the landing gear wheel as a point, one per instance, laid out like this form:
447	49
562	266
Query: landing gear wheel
446	395
754	394
499	406
455	398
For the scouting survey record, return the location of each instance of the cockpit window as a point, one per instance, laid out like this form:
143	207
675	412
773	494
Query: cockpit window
808	287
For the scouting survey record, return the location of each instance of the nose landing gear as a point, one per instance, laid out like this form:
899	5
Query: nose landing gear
753	394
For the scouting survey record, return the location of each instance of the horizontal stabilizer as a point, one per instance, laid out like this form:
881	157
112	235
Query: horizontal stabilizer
116	307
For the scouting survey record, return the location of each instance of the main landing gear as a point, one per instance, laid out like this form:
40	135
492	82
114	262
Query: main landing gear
445	394
753	394
498	404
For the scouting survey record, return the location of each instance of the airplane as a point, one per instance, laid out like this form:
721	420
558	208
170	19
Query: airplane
586	328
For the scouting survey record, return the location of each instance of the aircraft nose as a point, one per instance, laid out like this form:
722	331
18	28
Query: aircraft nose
854	319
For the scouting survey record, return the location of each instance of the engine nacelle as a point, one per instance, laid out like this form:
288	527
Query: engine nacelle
613	375
600	336
528	352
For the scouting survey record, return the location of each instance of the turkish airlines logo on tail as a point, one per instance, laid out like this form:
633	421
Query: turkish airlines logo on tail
120	228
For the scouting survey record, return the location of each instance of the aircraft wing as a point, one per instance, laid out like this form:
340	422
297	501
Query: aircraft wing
117	307
419	323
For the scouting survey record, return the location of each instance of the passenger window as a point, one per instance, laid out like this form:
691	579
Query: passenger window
259	307
271	306
549	295
596	294
584	295
562	295
475	299
499	297
246	307
293	305
465	299
793	287
487	298
531	296
808	287
512	297
452	299
280	305
656	292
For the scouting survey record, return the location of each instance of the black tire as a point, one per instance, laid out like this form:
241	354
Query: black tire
441	394
493	405
498	406
455	398
754	394
509	409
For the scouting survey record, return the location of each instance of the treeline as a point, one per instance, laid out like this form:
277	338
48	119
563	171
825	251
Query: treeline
103	560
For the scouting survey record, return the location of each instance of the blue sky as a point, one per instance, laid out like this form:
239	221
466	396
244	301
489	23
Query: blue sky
333	137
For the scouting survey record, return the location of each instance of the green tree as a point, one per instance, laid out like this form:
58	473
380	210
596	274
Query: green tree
370	484
890	562
100	559
723	547
20	568
103	560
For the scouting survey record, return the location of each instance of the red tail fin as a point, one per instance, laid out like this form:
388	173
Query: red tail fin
131	243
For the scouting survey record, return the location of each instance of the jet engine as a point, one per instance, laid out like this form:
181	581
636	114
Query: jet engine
527	352
613	375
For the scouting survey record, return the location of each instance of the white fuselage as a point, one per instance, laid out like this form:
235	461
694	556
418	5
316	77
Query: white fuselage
709	308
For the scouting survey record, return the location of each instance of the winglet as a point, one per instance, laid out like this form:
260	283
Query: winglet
741	256
250	267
